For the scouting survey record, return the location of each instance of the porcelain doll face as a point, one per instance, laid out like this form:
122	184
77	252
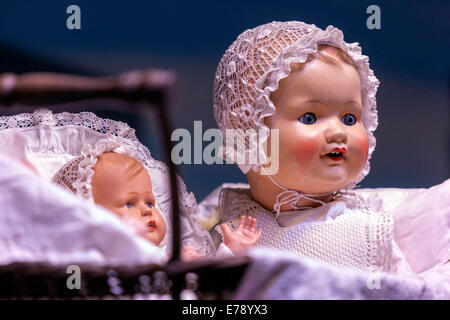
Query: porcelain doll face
318	109
123	186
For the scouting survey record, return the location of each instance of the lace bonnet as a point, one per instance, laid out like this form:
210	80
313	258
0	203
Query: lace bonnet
77	174
64	148
251	69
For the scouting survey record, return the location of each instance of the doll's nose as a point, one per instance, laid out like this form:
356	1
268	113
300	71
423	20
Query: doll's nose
335	133
146	212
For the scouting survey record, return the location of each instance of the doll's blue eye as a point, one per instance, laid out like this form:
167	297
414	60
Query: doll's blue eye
349	119
308	118
149	204
129	205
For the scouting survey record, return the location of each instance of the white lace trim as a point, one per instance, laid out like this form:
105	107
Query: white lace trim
252	67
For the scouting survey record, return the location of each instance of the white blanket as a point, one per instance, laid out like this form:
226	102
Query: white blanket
280	276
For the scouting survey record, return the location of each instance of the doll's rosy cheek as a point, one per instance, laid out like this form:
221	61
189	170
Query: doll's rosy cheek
307	150
362	144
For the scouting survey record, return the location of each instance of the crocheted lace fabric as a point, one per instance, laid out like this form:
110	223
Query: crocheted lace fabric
76	139
352	236
251	69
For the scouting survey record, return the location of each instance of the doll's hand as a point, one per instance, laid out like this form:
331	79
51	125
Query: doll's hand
244	237
190	254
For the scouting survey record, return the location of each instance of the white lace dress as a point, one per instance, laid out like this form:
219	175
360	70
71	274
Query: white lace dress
355	232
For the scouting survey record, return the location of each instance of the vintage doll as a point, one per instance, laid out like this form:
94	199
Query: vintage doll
52	140
111	176
317	93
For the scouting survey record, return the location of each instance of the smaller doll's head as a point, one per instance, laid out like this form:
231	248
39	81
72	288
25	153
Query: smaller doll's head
122	185
110	173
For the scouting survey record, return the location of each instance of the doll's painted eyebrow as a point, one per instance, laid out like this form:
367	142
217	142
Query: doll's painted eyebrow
352	103
320	102
136	193
151	195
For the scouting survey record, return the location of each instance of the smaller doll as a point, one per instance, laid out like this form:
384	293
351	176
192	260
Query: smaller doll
121	184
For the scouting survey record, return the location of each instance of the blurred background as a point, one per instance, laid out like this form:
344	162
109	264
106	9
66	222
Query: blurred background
409	54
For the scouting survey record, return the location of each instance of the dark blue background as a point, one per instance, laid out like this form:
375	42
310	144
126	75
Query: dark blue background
410	56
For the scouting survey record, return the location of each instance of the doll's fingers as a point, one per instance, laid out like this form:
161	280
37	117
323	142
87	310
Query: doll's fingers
244	221
249	223
254	224
245	224
250	226
241	224
227	233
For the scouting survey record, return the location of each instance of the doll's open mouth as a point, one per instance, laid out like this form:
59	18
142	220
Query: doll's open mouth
336	154
151	225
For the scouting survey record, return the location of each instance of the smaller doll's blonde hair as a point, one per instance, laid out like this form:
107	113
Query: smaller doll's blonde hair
76	175
131	165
